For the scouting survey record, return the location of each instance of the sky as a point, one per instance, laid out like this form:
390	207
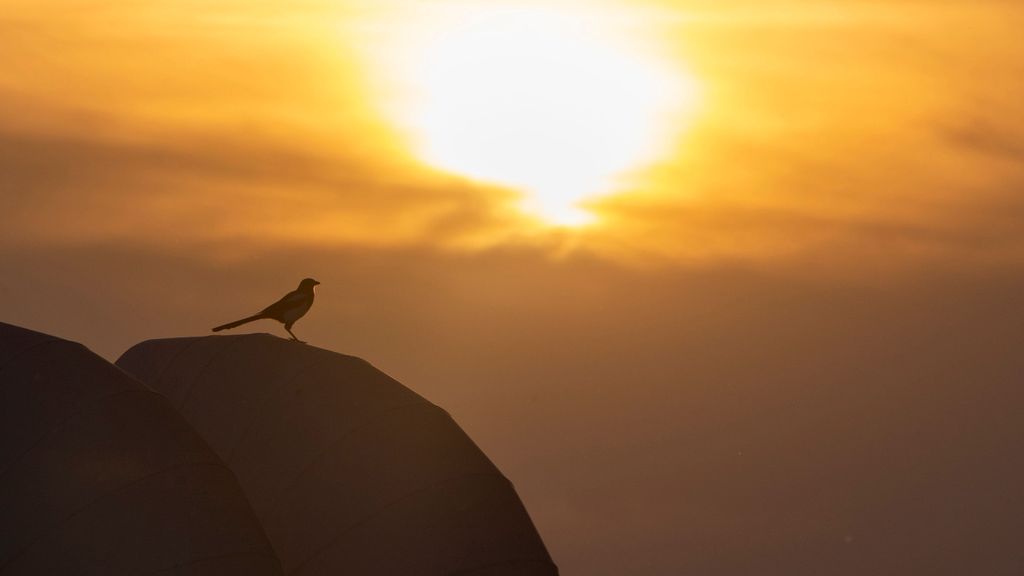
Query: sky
784	337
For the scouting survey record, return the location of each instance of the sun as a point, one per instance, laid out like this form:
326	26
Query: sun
554	103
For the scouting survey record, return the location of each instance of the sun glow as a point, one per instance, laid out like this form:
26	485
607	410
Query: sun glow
553	103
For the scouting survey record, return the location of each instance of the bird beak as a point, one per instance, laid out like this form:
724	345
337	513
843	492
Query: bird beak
315	283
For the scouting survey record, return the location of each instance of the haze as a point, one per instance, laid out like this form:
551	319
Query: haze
787	341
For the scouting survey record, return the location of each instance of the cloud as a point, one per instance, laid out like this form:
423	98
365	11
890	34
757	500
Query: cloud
231	126
75	190
989	137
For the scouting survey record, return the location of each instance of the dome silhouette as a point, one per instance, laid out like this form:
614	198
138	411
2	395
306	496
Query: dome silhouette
348	471
100	475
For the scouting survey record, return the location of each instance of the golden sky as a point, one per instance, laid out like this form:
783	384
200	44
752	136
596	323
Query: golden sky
785	330
812	127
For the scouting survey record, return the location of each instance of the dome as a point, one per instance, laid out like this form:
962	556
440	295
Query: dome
100	475
349	471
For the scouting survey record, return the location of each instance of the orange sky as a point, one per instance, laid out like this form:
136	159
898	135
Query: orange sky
820	123
798	323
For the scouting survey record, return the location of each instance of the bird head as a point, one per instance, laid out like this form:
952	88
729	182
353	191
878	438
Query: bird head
308	284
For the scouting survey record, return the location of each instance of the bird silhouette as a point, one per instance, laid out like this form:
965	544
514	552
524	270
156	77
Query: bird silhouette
287	310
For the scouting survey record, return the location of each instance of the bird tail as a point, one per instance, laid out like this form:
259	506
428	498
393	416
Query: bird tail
238	323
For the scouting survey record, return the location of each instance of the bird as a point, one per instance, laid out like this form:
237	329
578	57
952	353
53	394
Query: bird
287	310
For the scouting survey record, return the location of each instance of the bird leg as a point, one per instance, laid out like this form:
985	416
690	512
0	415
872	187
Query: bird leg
293	335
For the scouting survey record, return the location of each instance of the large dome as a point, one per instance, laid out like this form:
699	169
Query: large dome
349	471
99	475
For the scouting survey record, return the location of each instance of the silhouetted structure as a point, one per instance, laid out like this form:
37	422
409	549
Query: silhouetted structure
349	471
287	310
99	475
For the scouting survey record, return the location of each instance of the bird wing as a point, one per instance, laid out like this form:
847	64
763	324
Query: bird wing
290	300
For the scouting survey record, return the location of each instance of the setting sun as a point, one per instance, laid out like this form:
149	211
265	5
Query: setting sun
550	103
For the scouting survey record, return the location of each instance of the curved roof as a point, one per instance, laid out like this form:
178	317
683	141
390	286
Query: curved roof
349	471
100	475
